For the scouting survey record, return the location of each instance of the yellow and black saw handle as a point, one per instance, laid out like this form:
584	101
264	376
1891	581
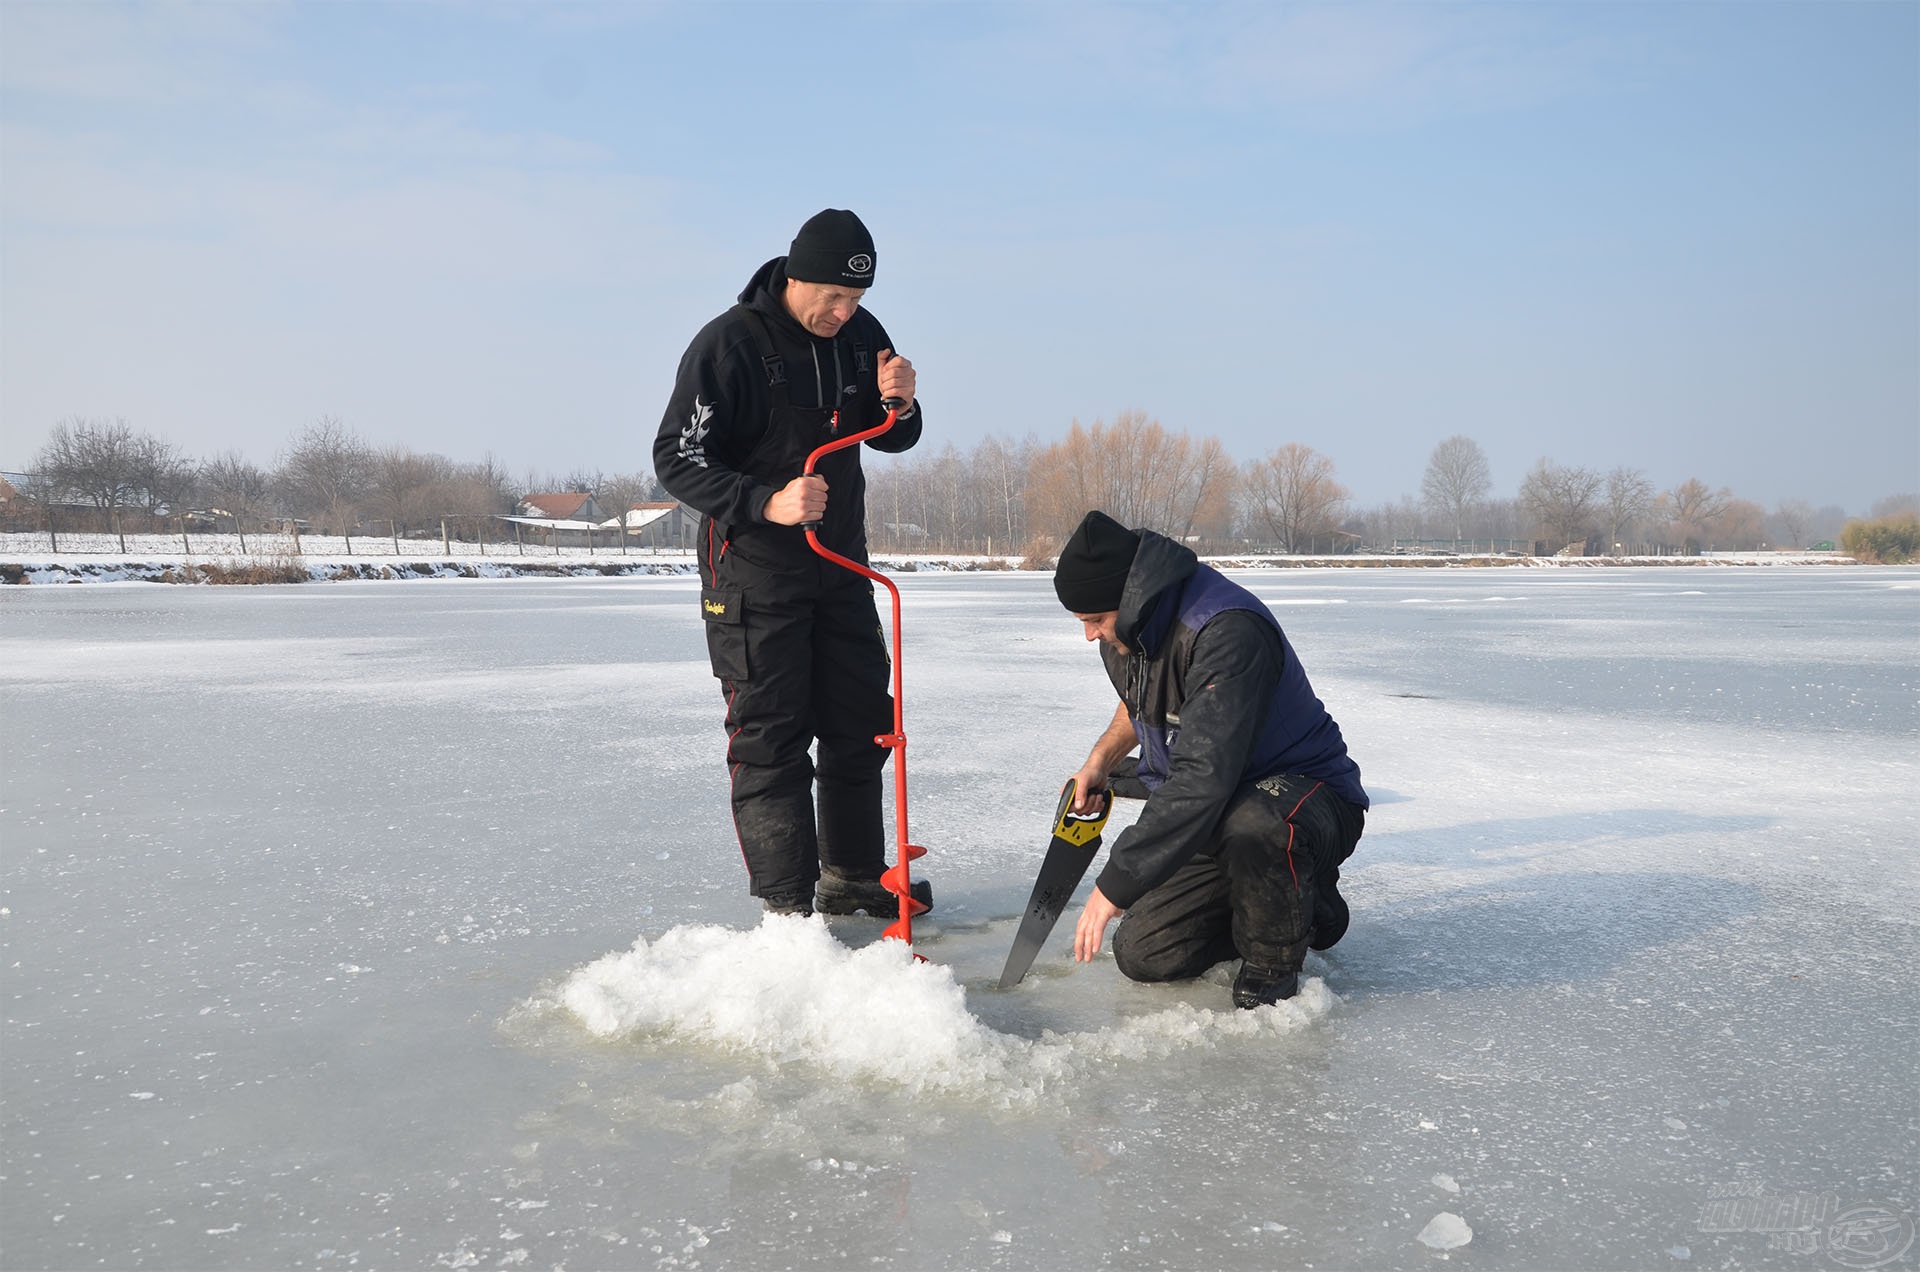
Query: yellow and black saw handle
1077	828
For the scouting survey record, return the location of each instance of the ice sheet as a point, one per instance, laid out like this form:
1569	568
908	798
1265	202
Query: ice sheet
399	924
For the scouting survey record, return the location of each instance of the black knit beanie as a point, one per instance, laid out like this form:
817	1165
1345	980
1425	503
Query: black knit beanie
1092	572
833	248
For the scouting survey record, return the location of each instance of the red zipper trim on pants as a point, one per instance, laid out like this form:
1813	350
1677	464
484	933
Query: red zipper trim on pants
1296	808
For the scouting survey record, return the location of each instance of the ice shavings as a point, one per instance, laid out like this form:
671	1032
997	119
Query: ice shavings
787	991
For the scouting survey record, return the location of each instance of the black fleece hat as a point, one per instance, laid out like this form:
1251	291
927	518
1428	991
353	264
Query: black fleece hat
1092	572
832	247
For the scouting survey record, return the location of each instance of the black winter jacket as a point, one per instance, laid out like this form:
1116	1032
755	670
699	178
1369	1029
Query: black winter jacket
709	452
1218	699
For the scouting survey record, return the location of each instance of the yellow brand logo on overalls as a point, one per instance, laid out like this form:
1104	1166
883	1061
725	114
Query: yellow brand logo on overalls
713	607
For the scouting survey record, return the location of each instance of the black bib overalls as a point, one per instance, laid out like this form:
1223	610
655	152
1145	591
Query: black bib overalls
798	647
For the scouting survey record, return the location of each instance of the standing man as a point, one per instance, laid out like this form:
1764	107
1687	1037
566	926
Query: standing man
795	640
1252	801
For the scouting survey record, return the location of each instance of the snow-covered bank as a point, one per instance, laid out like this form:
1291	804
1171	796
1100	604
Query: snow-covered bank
98	558
309	569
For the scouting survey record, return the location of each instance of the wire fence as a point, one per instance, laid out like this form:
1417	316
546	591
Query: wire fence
606	545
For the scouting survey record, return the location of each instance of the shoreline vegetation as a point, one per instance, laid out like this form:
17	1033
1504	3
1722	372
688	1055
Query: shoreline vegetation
162	560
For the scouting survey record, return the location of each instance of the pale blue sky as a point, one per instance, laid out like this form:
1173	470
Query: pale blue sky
1681	237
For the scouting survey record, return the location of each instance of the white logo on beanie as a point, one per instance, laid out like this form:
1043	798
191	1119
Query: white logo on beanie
860	264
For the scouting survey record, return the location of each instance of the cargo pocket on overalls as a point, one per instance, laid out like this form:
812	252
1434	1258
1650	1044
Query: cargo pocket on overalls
726	632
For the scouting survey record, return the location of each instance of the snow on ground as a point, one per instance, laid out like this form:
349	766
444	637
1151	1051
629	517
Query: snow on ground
401	926
32	558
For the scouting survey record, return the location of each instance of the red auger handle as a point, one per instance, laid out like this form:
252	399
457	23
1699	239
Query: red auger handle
892	406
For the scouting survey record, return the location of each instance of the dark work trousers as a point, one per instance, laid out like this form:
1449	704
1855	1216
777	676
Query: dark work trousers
1249	893
797	645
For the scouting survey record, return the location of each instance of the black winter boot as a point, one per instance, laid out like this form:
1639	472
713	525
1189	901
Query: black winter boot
1260	987
1330	918
840	895
799	903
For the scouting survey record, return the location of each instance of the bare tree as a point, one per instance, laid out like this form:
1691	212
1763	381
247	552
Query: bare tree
238	489
405	488
1381	527
618	493
1500	519
1000	470
1135	470
1563	501
476	493
101	462
165	478
1893	506
1629	498
326	474
1211	495
1457	479
1291	497
1793	517
1740	527
1690	511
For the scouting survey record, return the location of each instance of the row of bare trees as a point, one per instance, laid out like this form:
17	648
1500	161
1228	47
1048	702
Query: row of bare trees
327	478
1561	506
1007	497
1003	497
1022	496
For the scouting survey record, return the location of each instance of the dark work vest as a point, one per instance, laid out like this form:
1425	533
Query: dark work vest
1298	735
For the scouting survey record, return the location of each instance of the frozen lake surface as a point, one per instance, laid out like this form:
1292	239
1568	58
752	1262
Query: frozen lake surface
401	925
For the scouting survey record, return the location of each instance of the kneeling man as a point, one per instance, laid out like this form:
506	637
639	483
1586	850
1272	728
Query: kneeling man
1252	800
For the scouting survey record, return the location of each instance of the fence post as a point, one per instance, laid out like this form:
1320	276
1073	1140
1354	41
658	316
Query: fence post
445	546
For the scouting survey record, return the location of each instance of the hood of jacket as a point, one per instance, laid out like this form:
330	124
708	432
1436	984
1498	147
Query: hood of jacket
766	292
1159	568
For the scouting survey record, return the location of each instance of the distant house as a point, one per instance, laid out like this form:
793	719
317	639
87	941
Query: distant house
662	525
569	518
567	505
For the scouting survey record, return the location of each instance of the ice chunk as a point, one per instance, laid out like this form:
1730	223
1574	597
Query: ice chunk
1446	1183
1445	1231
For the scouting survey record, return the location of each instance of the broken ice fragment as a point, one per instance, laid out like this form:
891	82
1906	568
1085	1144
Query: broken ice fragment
1445	1231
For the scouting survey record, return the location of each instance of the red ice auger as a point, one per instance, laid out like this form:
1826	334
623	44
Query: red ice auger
898	878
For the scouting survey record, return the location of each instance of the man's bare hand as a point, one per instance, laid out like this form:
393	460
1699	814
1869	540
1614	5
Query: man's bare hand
896	377
1087	785
1091	930
801	500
